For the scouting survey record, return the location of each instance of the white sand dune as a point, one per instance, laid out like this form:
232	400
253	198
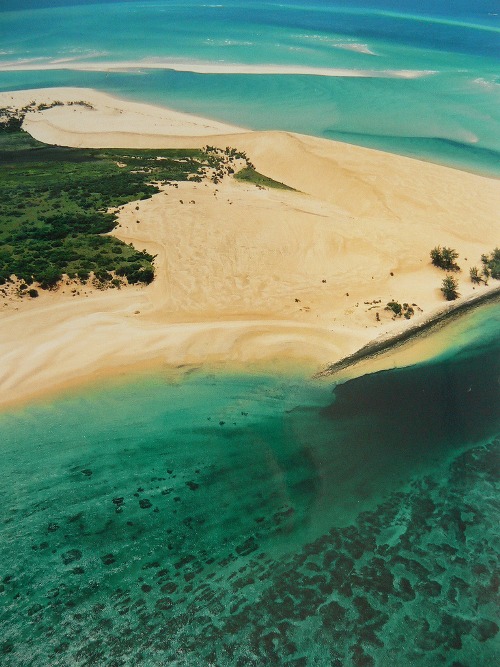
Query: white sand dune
246	274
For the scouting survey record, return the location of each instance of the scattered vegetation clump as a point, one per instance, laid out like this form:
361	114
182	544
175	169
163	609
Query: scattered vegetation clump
395	307
223	162
228	154
491	264
444	258
11	119
227	161
449	288
400	310
80	103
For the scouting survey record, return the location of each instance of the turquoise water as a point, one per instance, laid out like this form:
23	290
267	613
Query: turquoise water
450	115
258	519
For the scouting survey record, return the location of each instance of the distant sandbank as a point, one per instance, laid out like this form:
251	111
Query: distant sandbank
201	67
245	274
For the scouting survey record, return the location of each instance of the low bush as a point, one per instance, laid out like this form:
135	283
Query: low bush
444	258
449	288
491	264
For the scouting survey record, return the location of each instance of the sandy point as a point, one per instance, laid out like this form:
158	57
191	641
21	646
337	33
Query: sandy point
247	274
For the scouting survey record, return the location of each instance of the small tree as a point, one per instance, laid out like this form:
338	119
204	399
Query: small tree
436	256
491	265
449	288
494	264
444	258
475	276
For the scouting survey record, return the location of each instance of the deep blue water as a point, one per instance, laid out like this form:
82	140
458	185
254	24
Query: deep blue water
450	115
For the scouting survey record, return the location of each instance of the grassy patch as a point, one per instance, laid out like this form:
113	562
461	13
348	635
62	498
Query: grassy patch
55	200
249	175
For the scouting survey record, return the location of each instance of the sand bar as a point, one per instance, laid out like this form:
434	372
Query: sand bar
245	274
201	67
415	333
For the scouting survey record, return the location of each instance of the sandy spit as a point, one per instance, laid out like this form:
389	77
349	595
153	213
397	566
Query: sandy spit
423	326
243	274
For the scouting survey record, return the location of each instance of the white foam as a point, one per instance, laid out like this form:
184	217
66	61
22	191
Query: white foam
358	48
338	43
487	84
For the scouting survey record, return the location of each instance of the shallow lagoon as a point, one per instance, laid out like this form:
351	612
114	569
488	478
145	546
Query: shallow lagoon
249	519
449	116
358	528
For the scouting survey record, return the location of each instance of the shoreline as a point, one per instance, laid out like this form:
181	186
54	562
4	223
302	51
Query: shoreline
280	276
391	342
161	362
296	361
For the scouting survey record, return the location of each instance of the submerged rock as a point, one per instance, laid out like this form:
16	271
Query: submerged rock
71	556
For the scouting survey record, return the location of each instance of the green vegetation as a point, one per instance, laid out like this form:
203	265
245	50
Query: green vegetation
224	161
449	288
56	217
491	264
475	276
249	175
444	258
404	310
490	268
55	207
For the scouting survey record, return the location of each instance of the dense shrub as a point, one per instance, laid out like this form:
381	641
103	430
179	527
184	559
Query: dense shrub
399	310
491	264
55	201
449	288
49	277
444	258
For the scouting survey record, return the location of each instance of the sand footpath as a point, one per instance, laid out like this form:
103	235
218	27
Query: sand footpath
246	274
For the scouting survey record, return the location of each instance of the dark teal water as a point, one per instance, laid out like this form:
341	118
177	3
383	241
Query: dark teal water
258	519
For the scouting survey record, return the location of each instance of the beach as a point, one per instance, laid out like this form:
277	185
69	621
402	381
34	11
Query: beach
240	422
246	274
